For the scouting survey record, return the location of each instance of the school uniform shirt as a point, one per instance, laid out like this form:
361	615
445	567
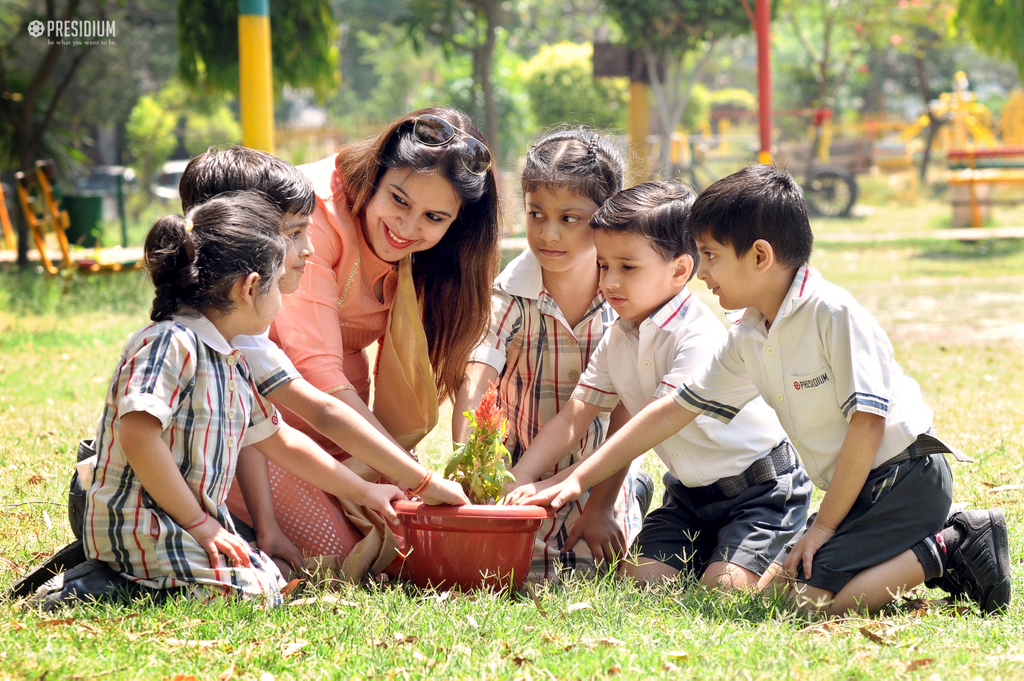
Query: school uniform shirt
638	363
185	374
539	359
824	358
268	363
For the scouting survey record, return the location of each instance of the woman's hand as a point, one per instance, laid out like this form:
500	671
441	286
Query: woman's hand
273	542
378	497
804	550
597	526
212	536
442	491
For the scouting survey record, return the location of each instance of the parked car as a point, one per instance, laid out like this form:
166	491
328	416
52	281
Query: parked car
166	183
103	180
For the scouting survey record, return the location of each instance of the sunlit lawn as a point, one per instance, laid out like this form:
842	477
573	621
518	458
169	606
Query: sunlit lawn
953	310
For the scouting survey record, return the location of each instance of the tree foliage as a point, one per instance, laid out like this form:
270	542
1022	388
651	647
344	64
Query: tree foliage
678	39
303	44
559	80
997	27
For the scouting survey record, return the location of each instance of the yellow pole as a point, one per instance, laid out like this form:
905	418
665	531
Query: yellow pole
255	75
639	125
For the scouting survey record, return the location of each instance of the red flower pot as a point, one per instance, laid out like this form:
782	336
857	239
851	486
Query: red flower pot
470	546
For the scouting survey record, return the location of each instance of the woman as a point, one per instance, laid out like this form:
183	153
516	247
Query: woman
419	198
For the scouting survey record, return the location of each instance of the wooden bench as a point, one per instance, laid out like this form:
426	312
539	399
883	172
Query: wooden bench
978	170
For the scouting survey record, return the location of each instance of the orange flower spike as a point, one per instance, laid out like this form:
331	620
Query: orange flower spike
489	418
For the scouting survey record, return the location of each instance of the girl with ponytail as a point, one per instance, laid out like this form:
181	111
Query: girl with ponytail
182	403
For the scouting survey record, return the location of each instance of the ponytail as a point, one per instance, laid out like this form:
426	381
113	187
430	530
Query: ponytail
194	262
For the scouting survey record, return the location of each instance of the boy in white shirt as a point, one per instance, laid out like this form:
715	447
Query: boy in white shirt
827	368
734	494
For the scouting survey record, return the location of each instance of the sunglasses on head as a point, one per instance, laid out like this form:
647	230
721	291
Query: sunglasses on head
434	131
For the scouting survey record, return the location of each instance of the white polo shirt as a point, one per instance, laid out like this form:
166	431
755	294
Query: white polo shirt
823	359
270	367
640	363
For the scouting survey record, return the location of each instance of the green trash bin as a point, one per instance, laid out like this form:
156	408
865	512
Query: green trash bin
85	213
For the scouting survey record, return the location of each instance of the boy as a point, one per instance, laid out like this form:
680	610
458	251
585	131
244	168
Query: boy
734	495
826	367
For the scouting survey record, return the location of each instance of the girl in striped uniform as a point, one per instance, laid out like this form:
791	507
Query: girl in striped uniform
182	403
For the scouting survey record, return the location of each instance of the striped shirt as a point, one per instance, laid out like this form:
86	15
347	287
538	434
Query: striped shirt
824	358
185	374
539	359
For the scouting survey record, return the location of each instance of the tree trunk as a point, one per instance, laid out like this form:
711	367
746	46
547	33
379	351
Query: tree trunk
492	127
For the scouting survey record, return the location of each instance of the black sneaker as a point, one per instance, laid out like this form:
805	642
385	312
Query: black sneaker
980	567
643	488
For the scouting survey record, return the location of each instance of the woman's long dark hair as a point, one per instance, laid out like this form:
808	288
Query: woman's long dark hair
454	278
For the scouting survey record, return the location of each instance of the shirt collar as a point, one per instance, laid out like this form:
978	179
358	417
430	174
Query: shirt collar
672	314
804	284
522	277
206	331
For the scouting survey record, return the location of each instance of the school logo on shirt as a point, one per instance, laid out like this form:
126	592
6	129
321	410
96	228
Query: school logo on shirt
811	382
273	419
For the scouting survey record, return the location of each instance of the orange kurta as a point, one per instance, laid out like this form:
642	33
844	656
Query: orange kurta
325	328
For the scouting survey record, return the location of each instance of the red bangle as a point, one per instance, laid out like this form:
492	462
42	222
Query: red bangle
422	486
206	516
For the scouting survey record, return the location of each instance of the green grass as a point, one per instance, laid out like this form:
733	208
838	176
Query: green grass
953	311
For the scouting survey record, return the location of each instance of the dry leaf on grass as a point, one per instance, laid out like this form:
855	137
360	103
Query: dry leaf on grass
678	655
36	479
536	600
1005	488
183	677
915	665
525	656
472	621
573	607
57	623
606	641
462	649
190	643
291	586
614	669
228	673
874	637
295	646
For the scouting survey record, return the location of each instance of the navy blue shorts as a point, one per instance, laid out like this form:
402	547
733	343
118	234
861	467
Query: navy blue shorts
696	526
901	504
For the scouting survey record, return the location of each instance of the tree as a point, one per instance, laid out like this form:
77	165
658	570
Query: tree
465	26
303	44
562	88
835	36
677	38
997	27
35	72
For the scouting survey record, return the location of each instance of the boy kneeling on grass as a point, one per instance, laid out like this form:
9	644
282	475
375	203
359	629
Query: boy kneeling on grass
734	494
860	425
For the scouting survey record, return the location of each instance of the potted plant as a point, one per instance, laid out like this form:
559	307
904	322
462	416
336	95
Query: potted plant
482	544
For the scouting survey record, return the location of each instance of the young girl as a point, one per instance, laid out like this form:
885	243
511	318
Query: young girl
547	317
182	403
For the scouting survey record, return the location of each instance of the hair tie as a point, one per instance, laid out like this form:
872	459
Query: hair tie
592	147
188	224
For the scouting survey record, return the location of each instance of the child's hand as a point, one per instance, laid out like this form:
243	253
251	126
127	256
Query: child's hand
273	542
805	548
606	538
441	491
555	496
212	536
517	495
378	497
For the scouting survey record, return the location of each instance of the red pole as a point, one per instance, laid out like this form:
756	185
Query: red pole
764	77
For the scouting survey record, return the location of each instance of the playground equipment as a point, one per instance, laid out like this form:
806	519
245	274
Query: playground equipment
39	206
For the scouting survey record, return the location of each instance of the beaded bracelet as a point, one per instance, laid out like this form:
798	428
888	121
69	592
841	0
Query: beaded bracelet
420	487
206	516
